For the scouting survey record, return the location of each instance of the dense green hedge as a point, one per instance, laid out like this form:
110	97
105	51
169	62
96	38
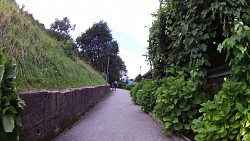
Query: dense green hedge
135	89
227	115
146	96
186	40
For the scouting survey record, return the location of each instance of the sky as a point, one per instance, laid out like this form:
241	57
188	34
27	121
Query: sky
129	21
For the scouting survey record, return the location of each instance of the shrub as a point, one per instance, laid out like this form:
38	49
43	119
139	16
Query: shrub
227	116
146	97
137	87
128	86
10	103
178	102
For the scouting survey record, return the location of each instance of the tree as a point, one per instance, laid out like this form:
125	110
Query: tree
117	68
96	43
97	47
60	30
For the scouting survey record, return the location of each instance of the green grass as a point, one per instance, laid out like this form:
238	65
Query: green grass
41	61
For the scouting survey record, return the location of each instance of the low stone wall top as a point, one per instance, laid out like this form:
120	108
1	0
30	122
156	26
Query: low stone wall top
48	113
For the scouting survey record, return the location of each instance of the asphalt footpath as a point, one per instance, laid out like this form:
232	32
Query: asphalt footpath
116	118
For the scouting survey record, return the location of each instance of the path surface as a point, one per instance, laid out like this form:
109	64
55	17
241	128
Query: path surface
115	118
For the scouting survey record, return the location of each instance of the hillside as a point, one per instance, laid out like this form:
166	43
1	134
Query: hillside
41	61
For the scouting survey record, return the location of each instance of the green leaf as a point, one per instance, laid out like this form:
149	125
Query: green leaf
235	124
243	131
246	137
5	101
8	123
210	128
167	124
247	123
10	70
248	92
175	120
21	103
204	13
190	114
222	129
187	107
182	104
190	41
177	126
236	27
187	126
204	47
217	117
231	136
220	47
205	36
9	110
238	115
248	116
246	27
241	48
214	137
240	107
175	101
167	119
194	32
197	100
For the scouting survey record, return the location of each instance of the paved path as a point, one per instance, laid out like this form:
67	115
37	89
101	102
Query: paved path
115	118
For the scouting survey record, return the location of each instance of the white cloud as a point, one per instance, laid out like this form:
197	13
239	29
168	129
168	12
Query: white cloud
136	61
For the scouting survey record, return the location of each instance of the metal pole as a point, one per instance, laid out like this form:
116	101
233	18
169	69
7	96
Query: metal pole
107	75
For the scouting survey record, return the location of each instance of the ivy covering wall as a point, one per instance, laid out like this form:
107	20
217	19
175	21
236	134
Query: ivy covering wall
187	39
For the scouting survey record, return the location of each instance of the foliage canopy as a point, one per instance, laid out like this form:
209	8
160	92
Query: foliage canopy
186	40
98	48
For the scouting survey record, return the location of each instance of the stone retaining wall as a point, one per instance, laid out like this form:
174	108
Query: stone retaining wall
48	113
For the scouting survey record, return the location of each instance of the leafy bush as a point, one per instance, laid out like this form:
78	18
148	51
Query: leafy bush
136	88
121	84
227	116
184	39
128	86
146	97
178	102
10	103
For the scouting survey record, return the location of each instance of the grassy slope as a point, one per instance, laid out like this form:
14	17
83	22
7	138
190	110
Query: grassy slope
41	61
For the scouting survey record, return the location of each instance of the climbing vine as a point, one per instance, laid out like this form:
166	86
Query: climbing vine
187	39
227	115
10	103
179	44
